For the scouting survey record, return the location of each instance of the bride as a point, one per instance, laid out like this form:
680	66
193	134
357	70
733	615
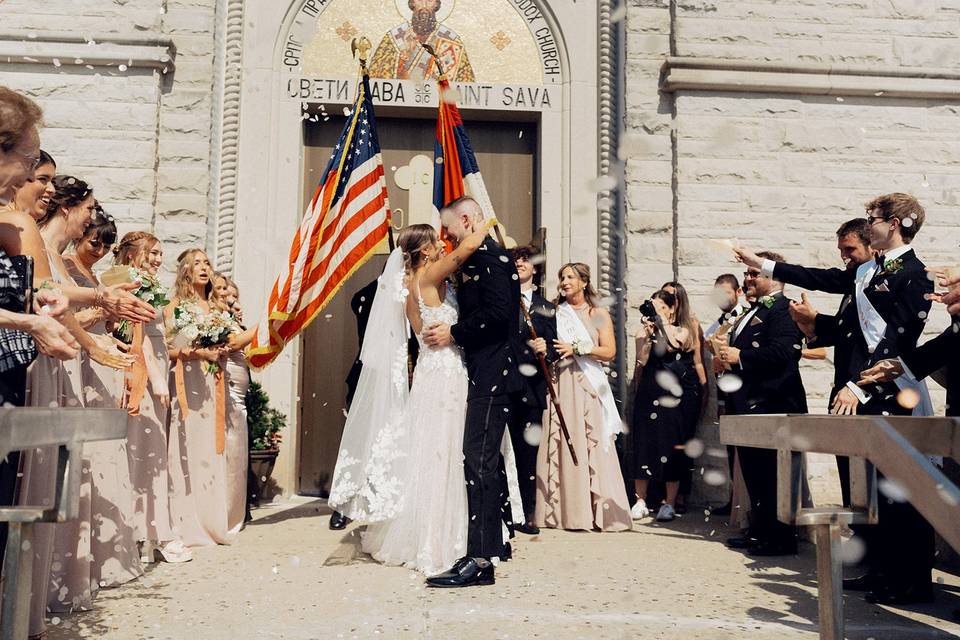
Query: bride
400	465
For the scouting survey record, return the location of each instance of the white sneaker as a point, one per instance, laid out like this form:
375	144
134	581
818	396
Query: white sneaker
639	510
666	514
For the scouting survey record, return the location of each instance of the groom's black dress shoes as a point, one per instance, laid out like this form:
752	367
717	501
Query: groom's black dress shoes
466	572
338	521
527	528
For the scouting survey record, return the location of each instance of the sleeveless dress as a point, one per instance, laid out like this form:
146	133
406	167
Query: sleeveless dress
147	449
237	444
591	495
430	531
100	548
198	474
50	383
660	419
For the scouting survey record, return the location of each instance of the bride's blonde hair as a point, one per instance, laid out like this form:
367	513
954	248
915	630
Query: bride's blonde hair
412	240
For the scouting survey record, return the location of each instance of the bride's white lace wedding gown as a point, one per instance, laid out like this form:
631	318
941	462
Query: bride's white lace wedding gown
429	531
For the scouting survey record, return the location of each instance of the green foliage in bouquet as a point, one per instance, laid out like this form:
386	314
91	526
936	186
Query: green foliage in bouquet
150	291
264	422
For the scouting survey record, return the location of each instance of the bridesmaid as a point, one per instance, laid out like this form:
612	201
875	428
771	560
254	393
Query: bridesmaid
112	558
238	381
147	442
198	474
591	495
52	383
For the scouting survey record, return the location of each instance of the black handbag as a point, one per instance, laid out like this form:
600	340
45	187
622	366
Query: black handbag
19	299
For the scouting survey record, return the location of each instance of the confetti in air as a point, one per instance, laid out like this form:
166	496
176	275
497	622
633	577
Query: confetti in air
729	383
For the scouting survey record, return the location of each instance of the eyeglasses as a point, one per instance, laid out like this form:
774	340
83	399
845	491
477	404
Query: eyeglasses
871	220
34	160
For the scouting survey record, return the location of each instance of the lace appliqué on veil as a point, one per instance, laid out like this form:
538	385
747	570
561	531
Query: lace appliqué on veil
370	488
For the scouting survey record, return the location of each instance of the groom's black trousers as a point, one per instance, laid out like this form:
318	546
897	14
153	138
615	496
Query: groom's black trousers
486	421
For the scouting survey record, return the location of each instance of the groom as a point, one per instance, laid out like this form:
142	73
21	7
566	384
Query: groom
489	298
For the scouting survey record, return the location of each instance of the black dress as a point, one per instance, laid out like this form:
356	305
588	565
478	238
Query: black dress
662	419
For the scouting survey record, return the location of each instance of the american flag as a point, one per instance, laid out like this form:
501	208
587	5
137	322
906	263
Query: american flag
348	216
457	172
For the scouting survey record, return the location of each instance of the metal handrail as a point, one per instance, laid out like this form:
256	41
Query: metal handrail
26	428
896	445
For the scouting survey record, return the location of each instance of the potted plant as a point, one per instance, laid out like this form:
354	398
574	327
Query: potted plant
265	424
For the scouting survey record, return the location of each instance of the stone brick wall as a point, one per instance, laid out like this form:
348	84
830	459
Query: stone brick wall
909	33
141	137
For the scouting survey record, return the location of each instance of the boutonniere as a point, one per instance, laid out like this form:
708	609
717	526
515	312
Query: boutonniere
892	266
767	301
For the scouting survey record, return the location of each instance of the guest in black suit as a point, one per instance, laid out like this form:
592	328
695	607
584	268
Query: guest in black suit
840	331
892	300
528	407
488	332
726	295
764	352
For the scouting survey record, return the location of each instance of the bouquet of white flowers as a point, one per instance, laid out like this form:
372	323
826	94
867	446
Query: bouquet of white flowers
196	328
150	291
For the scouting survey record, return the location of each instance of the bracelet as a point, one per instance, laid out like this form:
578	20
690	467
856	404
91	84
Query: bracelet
98	300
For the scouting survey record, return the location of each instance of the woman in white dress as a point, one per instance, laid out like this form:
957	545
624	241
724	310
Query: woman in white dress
403	471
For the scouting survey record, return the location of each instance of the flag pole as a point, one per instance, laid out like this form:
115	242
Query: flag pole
363	46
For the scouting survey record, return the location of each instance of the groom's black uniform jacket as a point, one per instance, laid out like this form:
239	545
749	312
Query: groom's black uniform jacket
488	295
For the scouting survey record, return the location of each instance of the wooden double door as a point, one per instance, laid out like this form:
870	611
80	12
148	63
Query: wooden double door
507	155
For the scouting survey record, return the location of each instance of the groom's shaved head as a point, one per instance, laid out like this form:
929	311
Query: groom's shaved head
459	217
465	205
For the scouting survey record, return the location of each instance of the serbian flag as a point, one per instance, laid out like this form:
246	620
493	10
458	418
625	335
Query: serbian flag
347	218
456	172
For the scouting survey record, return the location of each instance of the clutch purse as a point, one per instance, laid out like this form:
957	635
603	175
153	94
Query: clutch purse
19	299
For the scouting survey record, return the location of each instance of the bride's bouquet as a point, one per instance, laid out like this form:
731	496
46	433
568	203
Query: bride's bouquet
198	329
150	291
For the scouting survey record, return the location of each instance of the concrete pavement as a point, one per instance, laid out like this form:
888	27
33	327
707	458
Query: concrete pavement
292	578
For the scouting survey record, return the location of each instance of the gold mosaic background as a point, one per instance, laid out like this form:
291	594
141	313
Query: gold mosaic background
500	47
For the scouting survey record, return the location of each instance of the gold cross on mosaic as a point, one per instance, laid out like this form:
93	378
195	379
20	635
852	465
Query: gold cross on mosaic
346	31
500	40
